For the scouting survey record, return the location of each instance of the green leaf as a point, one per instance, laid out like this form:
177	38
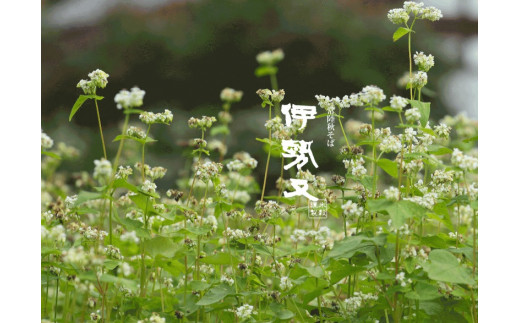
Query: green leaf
265	70
48	153
45	251
160	246
389	166
470	139
146	140
215	294
110	264
280	312
221	258
130	284
79	102
424	110
222	129
124	184
434	241
399	211
85	196
400	32
439	150
345	248
198	285
142	201
443	266
314	271
423	292
389	108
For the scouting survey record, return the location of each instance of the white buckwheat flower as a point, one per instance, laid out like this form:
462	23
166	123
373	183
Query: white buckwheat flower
412	115
423	62
245	311
372	95
124	172
442	130
352	209
227	280
325	103
398	16
402	279
357	167
411	6
270	58
71	200
390	143
431	13
419	79
129	99
285	283
102	169
147	117
465	162
149	186
136	132
391	193
88	87
231	95
398	102
99	78
47	141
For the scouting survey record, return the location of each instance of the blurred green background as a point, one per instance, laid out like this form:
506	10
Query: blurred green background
183	53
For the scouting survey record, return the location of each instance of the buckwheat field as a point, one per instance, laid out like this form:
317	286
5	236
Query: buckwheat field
390	238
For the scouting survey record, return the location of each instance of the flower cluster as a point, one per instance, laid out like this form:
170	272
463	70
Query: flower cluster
235	234
136	132
353	303
419	79
241	161
230	95
148	186
208	170
355	166
398	102
271	95
270	57
351	209
47	141
465	162
268	210
423	62
202	123
129	99
150	118
124	172
98	79
102	169
400	16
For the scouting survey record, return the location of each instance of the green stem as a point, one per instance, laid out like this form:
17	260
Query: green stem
114	170
121	143
374	163
143	265
274	86
142	152
410	55
101	130
268	158
56	298
195	175
342	129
